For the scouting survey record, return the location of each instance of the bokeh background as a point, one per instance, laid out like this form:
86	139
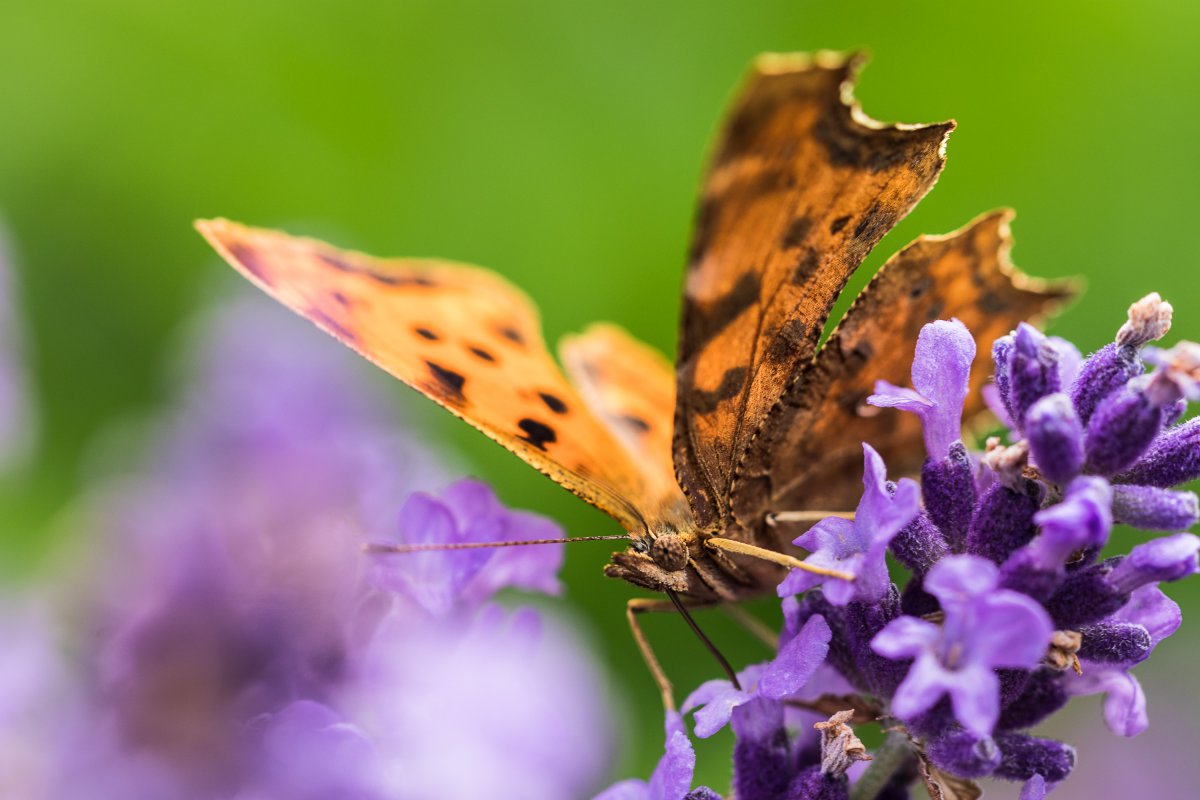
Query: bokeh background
560	144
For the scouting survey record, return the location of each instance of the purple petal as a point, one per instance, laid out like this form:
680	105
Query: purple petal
1034	789
1153	610
940	372
797	660
716	700
672	778
888	395
956	579
906	637
1055	437
1167	558
924	685
631	789
1010	629
1083	519
834	535
975	695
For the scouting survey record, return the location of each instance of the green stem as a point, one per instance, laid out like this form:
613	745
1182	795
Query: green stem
888	758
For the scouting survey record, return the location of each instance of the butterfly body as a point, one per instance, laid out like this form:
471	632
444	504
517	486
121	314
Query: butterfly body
753	419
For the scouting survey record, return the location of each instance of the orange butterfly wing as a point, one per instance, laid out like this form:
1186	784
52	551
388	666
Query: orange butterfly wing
461	336
801	188
631	387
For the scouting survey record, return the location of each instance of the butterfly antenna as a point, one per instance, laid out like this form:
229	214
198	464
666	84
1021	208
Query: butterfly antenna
379	547
712	648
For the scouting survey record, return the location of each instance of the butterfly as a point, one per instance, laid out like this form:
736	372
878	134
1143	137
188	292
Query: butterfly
754	422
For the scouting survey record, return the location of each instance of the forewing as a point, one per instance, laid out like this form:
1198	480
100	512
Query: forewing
801	188
810	453
631	388
461	336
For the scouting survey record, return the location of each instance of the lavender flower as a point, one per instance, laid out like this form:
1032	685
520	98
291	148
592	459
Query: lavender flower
858	547
672	778
786	674
442	581
940	372
985	628
245	654
1125	702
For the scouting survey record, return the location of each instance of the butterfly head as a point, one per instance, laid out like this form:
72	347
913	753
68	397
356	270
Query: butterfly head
660	560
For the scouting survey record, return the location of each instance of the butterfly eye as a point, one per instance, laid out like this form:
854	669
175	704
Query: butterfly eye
670	552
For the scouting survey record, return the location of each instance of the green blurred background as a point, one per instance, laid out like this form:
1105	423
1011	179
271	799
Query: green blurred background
561	144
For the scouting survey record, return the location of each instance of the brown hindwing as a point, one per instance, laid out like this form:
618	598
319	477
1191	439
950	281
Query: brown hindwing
809	454
802	186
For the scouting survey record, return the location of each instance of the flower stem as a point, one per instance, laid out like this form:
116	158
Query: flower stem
888	758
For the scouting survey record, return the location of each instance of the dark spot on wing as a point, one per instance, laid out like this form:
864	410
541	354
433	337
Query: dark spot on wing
992	303
806	266
839	223
341	299
702	229
797	232
706	401
512	334
635	422
425	333
448	380
391	279
792	337
537	433
332	325
920	287
480	353
337	263
553	402
708	322
249	259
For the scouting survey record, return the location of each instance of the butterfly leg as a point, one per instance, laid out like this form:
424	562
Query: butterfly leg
644	605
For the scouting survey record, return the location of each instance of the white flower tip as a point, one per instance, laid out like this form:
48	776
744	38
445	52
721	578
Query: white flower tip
1149	320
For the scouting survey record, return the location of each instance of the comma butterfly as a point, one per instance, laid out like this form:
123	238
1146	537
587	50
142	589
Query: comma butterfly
754	419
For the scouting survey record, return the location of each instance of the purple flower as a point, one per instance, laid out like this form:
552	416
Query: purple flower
940	373
513	701
1178	373
444	581
671	779
859	546
1124	701
1082	520
308	752
984	628
785	675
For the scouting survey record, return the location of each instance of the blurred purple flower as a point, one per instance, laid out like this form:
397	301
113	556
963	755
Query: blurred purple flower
241	650
984	628
444	581
858	547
